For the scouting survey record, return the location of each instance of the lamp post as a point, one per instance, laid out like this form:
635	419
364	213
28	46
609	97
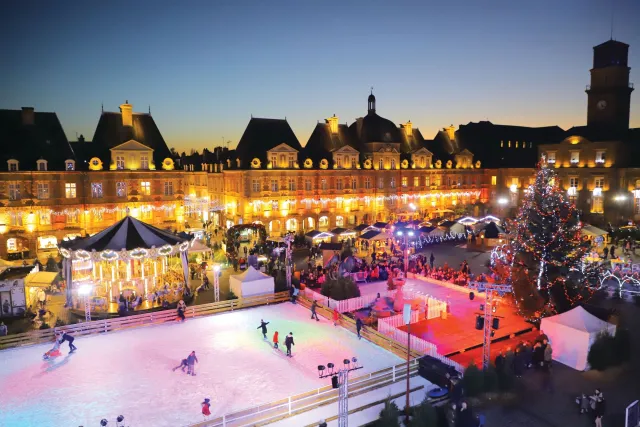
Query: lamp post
406	248
340	380
288	263
85	291
216	282
406	316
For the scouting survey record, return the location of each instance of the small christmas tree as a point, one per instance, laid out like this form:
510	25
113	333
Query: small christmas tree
547	250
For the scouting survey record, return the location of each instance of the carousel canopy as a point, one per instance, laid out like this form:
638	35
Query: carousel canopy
128	234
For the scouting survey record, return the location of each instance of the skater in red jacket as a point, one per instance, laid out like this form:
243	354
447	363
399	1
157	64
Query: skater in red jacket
275	340
206	408
336	316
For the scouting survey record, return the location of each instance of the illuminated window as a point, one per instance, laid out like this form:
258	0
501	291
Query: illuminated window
575	157
96	190
354	183
72	217
338	162
292	162
145	188
339	221
168	188
274	185
121	189
70	165
16	220
292	184
427	181
599	182
381	164
255	185
13	165
307	185
367	183
323	184
494	180
283	160
274	161
98	215
381	183
416	181
551	157
600	157
43	190
119	162
405	181
339	184
70	190
501	144
516	144
45	218
42	165
144	162
573	189
393	163
393	182
509	144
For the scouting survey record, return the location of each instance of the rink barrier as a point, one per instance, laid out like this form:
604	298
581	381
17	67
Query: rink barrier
278	410
138	320
449	285
347	305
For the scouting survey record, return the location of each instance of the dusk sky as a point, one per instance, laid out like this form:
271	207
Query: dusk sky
206	66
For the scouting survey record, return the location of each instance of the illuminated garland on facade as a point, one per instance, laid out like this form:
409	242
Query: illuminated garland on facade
100	210
124	255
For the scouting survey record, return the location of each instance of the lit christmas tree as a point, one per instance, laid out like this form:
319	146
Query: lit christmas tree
544	262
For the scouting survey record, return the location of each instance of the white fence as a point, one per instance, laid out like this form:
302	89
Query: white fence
347	305
390	328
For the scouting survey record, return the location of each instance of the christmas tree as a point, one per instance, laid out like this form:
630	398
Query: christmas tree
545	257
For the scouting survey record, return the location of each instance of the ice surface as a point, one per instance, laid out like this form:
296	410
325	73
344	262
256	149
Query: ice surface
129	372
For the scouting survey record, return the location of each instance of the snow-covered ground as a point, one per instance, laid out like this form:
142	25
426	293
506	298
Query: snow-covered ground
129	372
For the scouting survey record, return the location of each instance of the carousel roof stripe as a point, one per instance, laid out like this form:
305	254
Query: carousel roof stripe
127	234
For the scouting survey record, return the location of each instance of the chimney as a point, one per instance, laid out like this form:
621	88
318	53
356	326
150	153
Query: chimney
127	114
28	116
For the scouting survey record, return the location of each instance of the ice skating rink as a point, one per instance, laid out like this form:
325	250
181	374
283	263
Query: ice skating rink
129	372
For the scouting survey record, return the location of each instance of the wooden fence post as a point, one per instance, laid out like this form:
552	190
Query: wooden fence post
289	405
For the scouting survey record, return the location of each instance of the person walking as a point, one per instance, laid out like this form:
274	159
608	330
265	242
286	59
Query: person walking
599	410
67	337
263	326
294	296
605	252
548	356
336	316
181	308
191	364
275	340
3	329
359	326
432	259
288	342
314	305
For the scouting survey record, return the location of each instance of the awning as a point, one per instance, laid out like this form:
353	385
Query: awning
198	246
342	231
381	225
590	230
41	279
315	234
369	235
361	227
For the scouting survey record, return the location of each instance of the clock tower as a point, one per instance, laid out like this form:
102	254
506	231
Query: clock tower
609	94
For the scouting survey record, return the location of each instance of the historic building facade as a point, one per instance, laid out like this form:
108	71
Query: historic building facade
52	189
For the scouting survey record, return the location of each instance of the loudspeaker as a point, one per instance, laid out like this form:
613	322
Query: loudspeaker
471	295
334	382
479	322
436	372
495	323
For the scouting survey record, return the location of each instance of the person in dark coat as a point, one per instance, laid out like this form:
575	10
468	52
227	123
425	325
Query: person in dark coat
69	339
359	325
263	326
191	363
605	252
288	342
314	305
518	363
432	259
464	417
500	361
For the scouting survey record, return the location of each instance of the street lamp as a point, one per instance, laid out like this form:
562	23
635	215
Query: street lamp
406	248
340	380
85	291
216	282
288	239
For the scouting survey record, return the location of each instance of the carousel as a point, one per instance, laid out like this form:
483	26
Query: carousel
130	261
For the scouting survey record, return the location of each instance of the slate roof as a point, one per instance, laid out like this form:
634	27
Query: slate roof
110	133
373	128
44	139
262	135
322	142
483	139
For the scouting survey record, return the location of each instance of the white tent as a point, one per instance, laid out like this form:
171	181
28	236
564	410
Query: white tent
251	282
197	246
571	335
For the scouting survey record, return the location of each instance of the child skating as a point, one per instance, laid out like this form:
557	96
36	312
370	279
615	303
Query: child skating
55	350
336	316
206	408
288	342
263	326
275	340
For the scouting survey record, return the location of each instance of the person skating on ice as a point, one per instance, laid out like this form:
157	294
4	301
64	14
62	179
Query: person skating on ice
191	363
182	365
336	316
263	326
314	305
55	350
359	325
206	408
67	337
288	342
275	340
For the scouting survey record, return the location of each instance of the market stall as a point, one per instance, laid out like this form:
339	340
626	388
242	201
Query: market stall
130	258
250	283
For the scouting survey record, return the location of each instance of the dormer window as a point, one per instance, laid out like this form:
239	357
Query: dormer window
600	157
70	165
12	165
551	157
42	165
575	157
144	162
